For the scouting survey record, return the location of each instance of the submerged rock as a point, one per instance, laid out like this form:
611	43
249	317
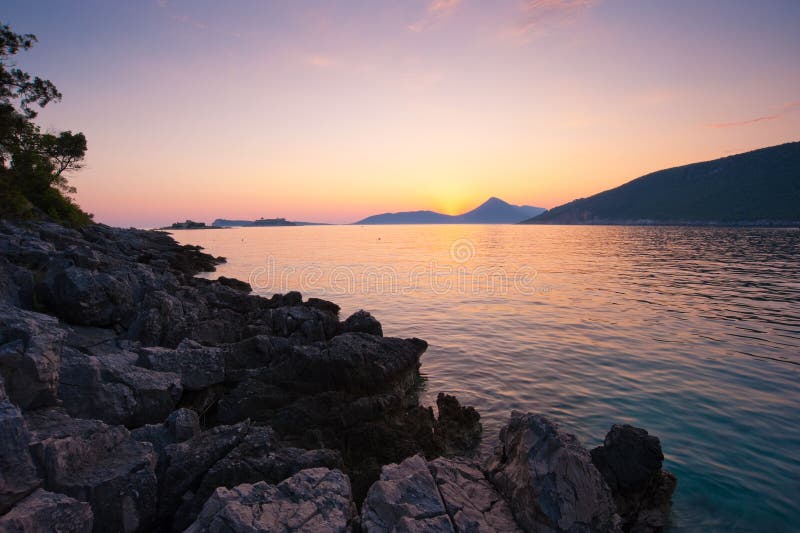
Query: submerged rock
316	499
549	479
630	461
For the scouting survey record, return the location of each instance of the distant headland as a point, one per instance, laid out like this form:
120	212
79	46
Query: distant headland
757	188
492	211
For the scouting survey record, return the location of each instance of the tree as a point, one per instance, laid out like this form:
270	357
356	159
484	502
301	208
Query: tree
33	165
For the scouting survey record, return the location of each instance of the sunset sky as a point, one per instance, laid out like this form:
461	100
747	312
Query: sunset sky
332	111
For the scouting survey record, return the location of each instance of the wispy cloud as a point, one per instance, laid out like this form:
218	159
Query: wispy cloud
781	112
436	11
537	16
319	61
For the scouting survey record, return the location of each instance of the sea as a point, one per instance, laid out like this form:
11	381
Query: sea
691	333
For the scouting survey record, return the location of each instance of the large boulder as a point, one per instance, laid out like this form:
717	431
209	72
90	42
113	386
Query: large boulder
96	463
18	476
471	501
316	499
405	498
630	461
30	353
88	296
549	479
48	511
113	388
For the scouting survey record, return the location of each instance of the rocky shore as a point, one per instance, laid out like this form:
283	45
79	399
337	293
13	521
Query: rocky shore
135	396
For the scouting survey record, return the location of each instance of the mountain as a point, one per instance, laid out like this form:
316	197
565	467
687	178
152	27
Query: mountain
761	187
492	211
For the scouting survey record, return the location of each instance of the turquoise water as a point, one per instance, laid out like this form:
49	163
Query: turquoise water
692	333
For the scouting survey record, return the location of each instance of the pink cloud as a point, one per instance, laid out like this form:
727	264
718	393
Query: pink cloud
436	11
780	113
538	15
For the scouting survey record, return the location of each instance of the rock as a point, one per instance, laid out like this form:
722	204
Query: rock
96	463
185	463
30	352
363	322
405	498
458	429
199	366
18	476
86	296
114	389
630	461
235	284
472	502
48	511
254	352
316	499
357	362
549	479
303	324
324	305
257	458
179	426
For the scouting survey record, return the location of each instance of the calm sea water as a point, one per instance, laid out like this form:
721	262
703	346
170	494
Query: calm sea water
692	333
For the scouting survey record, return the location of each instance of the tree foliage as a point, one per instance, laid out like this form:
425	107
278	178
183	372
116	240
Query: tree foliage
33	164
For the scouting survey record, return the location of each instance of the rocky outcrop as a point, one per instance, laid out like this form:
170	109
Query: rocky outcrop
316	500
549	479
135	396
630	461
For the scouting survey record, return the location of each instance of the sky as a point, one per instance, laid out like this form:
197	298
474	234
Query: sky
333	111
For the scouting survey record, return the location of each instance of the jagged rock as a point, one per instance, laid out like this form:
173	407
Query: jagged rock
549	479
48	511
179	426
30	351
185	463
405	498
257	458
458	429
18	476
357	362
316	499
199	366
85	296
630	461
363	322
324	305
303	324
96	463
472	502
236	284
114	389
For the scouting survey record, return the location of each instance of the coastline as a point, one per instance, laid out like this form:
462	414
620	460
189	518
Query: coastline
197	387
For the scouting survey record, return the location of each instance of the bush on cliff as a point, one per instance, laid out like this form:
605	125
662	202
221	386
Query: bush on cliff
33	164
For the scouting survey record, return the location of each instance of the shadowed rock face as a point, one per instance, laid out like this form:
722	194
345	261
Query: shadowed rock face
136	397
549	479
630	461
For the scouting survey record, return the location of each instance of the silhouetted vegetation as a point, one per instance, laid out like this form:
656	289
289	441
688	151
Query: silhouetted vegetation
33	164
758	187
